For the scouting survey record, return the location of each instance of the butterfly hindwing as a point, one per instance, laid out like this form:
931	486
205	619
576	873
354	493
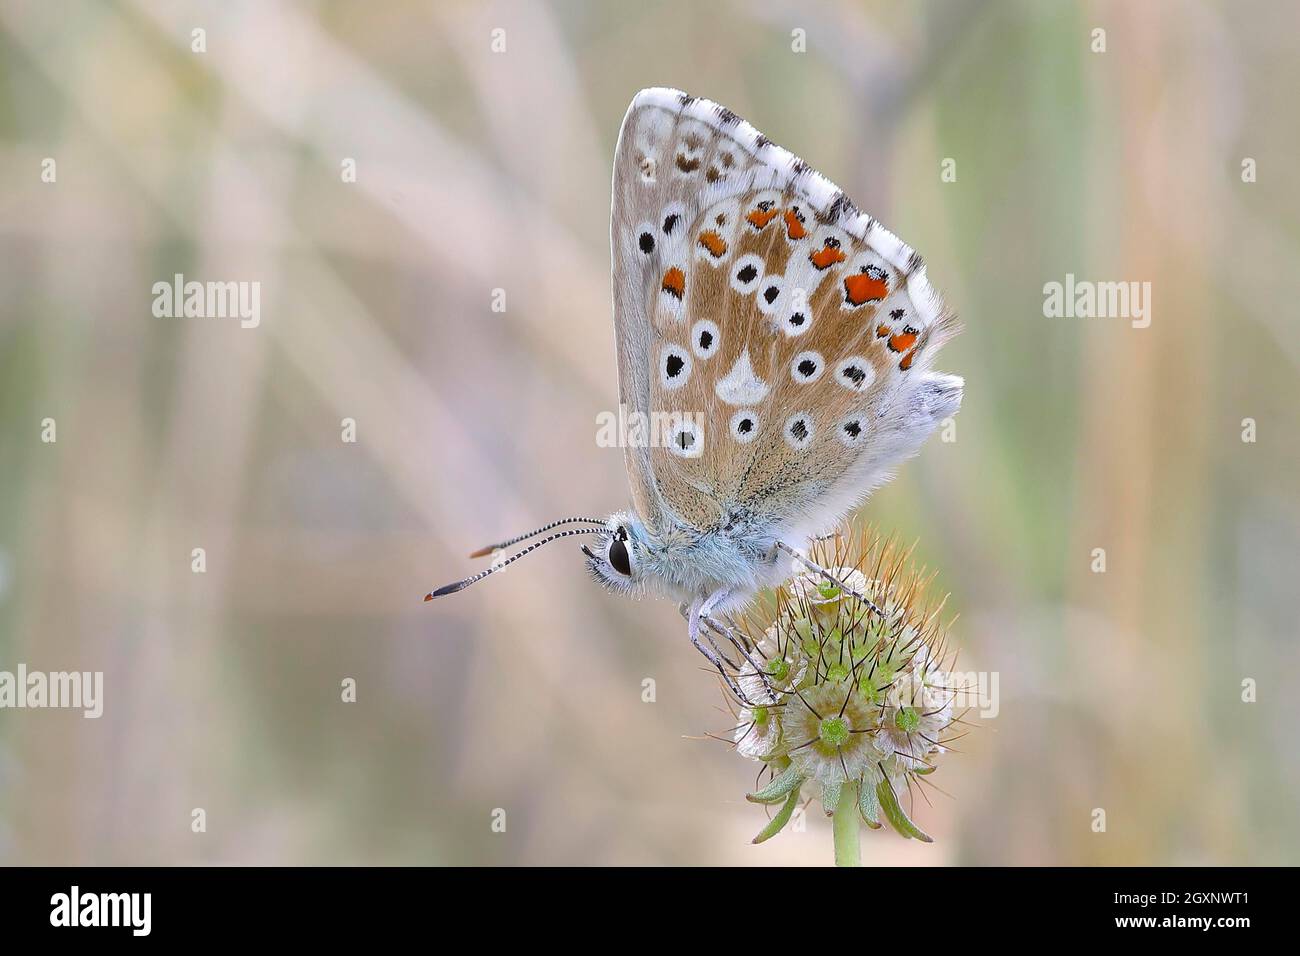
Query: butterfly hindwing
777	341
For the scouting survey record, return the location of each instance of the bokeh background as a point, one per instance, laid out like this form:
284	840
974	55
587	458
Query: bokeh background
479	170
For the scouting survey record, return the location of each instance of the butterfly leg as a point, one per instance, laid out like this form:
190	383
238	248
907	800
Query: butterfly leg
695	626
699	622
726	629
818	569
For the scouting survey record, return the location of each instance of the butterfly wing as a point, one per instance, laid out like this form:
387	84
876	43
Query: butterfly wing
774	342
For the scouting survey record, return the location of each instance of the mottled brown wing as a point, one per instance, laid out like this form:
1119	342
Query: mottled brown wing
776	341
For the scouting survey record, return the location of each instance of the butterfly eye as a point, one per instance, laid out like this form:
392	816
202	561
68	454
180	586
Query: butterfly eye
619	559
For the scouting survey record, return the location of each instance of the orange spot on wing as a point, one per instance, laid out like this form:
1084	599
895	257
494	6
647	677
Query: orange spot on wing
882	331
906	363
902	342
716	245
675	282
861	288
826	256
793	227
759	218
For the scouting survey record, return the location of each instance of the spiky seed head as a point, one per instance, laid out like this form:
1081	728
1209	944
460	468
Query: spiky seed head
838	693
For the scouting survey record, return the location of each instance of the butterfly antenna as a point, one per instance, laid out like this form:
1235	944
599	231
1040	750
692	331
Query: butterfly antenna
461	585
481	552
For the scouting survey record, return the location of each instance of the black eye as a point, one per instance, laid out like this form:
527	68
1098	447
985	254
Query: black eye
618	557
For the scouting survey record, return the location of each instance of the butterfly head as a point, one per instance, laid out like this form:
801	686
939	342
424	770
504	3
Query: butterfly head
617	557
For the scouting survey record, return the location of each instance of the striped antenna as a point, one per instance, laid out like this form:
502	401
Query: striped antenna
481	552
461	585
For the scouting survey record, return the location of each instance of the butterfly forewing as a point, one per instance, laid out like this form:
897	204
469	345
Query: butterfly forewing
777	340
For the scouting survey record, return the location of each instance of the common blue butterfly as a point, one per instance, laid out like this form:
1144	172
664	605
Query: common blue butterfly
786	338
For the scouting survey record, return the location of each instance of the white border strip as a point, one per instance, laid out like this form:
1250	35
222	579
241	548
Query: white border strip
791	172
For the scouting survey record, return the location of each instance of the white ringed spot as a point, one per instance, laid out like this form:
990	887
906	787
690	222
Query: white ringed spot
746	273
704	338
674	367
807	367
852	430
855	373
686	438
744	426
769	293
799	430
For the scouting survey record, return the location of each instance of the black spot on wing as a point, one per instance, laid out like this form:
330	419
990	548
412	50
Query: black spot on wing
854	374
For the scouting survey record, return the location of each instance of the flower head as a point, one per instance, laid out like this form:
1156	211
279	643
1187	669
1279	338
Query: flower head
844	692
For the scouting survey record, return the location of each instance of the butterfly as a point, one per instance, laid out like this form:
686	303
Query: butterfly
781	338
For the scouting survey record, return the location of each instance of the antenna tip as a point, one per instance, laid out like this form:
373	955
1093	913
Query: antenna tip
483	552
446	589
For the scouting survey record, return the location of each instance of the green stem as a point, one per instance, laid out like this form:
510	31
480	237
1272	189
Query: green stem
848	848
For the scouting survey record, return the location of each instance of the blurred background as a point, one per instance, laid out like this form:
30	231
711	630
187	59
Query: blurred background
479	170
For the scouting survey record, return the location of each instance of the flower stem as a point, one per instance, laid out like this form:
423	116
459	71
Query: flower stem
848	849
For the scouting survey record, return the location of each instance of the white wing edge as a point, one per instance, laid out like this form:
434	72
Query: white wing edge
791	172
